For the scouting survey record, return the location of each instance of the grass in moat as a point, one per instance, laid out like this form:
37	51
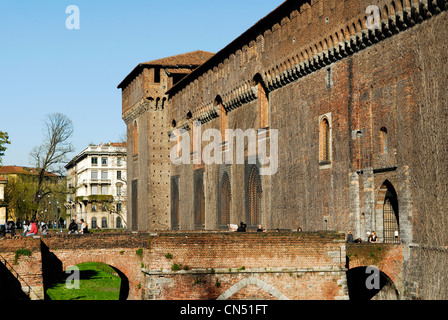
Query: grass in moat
97	282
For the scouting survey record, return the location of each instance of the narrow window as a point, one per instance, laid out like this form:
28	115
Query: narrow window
175	204
255	196
199	201
263	106
223	121
94	224
135	139
328	78
104	223
325	142
156	75
383	141
226	201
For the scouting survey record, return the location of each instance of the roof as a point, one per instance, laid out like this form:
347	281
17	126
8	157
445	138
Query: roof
118	144
22	170
274	17
194	58
189	60
99	150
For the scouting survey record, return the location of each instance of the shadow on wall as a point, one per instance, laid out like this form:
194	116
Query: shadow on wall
358	288
51	268
124	289
10	287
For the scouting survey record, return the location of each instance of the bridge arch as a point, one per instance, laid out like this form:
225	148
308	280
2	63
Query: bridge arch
358	279
124	261
252	281
124	287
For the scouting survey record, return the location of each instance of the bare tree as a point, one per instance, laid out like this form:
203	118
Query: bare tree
53	151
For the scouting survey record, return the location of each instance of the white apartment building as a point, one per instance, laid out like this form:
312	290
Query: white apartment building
97	180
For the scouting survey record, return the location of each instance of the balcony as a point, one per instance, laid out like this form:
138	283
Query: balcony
97	181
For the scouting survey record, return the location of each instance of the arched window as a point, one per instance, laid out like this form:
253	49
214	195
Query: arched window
118	225
135	139
104	223
225	201
325	141
383	141
254	192
199	202
94	224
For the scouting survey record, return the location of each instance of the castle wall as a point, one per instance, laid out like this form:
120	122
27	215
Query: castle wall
367	84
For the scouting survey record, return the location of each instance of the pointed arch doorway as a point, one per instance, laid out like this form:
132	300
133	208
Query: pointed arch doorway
388	211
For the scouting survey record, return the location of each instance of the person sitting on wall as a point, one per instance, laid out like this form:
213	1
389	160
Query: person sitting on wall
10	228
84	227
242	227
26	227
373	238
33	231
73	227
350	237
44	230
232	227
260	228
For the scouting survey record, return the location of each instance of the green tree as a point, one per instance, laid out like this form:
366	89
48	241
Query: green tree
4	139
20	196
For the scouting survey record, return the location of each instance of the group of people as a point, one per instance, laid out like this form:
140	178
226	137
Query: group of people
31	228
371	238
243	228
73	227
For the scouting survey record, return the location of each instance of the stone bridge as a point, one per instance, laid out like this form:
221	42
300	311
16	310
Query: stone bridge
202	266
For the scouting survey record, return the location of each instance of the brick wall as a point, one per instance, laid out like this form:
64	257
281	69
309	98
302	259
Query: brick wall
208	266
28	267
236	266
388	259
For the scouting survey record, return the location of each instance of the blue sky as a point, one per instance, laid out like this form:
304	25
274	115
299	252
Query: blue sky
47	68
